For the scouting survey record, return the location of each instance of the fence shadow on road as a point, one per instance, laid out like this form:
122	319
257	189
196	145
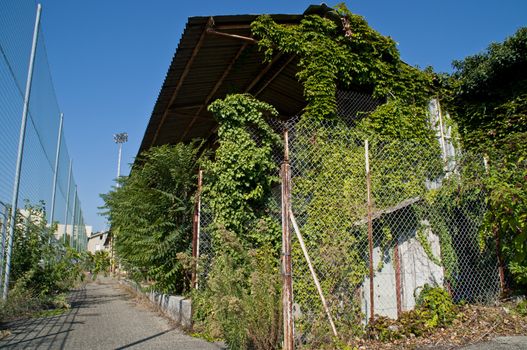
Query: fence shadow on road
45	332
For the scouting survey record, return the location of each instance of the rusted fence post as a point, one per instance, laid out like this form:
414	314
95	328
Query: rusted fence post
370	228
195	231
287	282
398	284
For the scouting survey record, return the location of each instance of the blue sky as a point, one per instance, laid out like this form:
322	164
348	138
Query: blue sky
109	58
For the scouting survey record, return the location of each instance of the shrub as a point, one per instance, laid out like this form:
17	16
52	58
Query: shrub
434	308
241	301
151	215
521	308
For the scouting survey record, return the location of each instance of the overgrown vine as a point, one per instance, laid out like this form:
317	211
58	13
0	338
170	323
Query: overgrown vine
240	300
241	176
405	153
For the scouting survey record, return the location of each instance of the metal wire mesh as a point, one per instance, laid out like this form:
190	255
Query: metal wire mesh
206	251
17	20
425	211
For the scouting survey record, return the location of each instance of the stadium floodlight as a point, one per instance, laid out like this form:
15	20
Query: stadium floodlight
119	139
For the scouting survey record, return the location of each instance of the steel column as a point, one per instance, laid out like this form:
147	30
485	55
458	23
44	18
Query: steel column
21	141
66	211
55	171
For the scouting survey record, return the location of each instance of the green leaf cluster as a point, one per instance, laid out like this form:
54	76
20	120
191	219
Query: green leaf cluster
330	57
434	309
241	301
39	263
329	188
240	177
150	213
489	101
42	269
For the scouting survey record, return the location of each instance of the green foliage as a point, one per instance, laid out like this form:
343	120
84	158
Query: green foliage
423	240
240	178
404	154
151	215
438	305
99	262
241	299
434	309
521	308
39	264
42	269
489	101
330	57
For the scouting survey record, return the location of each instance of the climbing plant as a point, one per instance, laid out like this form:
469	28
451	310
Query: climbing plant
336	49
489	101
243	172
240	299
347	54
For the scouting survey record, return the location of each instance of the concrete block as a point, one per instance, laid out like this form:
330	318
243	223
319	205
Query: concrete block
186	313
175	307
163	301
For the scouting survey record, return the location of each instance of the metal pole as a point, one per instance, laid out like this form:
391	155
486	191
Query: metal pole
120	138
287	281
73	218
21	141
5	220
195	231
119	161
76	227
370	229
67	203
398	282
55	171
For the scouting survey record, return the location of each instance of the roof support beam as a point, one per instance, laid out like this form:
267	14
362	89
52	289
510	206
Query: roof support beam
214	89
275	75
175	108
231	36
259	76
232	26
263	71
182	79
190	115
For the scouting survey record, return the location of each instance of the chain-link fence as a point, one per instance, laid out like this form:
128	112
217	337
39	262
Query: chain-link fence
381	217
46	176
377	237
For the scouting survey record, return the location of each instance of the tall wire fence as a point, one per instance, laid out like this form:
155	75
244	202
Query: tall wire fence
46	176
381	217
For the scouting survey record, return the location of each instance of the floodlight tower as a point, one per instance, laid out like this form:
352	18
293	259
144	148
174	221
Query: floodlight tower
119	139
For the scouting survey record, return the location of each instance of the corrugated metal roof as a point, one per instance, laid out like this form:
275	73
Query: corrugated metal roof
206	67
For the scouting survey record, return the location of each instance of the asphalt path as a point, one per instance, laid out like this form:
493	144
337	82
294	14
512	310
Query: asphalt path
105	316
102	316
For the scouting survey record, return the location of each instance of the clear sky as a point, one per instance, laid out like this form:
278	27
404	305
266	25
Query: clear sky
109	58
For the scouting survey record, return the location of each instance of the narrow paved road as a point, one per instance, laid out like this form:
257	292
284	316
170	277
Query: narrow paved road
102	316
